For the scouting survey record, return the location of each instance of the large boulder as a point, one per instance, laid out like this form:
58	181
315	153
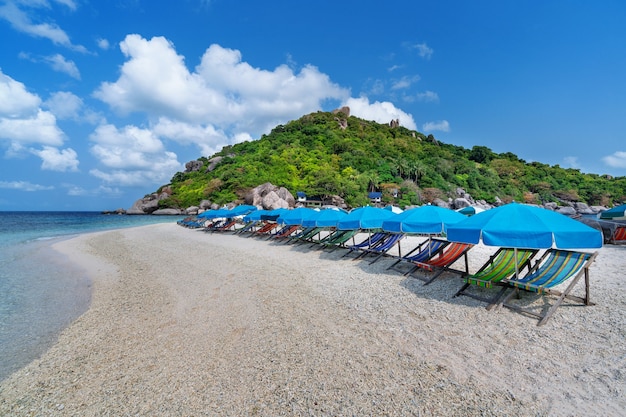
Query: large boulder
213	162
461	202
166	212
582	208
193	166
567	210
272	201
270	197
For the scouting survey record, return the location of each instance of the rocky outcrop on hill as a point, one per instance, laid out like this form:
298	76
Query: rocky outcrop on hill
150	203
193	166
270	197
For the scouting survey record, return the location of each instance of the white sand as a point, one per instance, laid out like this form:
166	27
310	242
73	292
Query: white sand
188	323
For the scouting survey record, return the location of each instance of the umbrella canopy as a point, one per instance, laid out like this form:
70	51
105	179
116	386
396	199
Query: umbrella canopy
394	209
295	216
616	213
273	214
425	219
521	226
242	210
364	218
470	210
214	214
255	215
324	218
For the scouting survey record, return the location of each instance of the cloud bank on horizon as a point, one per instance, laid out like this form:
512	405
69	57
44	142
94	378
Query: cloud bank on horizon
103	133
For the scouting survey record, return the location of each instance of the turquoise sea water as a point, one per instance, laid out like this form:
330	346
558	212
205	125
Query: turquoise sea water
41	292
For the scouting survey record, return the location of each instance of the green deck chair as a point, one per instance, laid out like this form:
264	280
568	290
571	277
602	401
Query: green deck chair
501	265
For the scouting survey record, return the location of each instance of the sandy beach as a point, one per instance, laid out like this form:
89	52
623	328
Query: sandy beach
187	323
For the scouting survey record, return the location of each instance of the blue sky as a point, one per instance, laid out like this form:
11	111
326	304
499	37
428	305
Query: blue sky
101	102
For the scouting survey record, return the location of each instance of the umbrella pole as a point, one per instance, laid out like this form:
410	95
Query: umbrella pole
516	264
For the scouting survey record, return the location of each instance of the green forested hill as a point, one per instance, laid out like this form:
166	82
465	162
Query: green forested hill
316	155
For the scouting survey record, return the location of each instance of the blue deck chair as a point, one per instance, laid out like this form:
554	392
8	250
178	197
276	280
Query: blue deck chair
369	242
384	248
555	267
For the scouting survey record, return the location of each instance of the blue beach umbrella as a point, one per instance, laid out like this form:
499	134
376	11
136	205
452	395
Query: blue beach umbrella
325	218
242	210
517	225
521	226
616	213
364	218
470	210
273	214
214	214
425	219
255	215
296	216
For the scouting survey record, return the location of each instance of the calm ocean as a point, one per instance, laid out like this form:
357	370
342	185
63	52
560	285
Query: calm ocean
41	293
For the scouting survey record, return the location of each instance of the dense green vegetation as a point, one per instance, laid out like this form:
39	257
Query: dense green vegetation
315	155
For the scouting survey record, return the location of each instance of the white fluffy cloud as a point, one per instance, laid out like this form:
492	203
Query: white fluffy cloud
58	63
222	91
381	112
617	160
25	125
22	22
39	128
15	100
439	125
64	105
133	156
208	139
55	159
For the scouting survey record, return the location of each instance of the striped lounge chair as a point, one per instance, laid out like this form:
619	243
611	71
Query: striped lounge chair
555	267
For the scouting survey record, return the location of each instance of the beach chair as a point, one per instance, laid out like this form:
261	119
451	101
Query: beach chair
500	266
339	239
555	267
246	227
265	229
369	242
332	233
442	262
384	248
224	226
285	232
422	252
212	226
306	235
619	235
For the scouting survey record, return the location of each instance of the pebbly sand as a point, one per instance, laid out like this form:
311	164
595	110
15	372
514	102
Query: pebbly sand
187	323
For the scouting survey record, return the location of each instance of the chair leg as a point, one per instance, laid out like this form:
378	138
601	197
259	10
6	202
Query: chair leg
410	271
463	288
434	276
